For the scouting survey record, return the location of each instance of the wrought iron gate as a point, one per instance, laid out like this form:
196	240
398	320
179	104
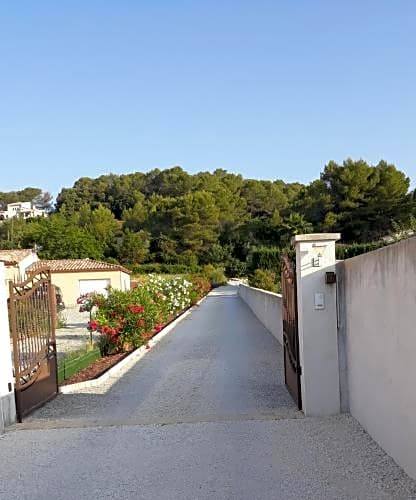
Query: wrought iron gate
32	312
290	330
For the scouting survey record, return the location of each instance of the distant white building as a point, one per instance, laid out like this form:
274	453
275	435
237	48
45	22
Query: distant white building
24	209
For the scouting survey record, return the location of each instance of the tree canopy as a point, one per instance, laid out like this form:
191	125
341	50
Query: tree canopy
170	216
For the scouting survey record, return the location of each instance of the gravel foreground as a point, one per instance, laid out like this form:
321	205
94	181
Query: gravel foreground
306	458
204	415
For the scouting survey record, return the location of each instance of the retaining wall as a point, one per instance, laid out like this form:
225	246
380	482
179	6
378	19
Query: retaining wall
267	306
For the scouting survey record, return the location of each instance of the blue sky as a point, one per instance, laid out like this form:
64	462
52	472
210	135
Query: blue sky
268	89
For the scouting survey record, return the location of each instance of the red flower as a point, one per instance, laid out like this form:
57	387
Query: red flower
159	326
135	309
92	325
140	322
105	329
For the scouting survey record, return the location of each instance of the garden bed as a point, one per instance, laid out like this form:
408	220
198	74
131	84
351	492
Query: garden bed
75	362
95	369
98	367
126	321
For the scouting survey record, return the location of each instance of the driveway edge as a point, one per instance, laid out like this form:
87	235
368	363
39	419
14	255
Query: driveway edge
135	356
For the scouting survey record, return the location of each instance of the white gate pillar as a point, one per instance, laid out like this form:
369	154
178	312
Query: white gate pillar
317	320
7	404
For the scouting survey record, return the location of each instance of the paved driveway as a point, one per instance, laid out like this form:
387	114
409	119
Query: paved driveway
205	415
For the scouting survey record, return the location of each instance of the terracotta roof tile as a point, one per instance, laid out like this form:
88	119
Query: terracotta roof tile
12	257
76	265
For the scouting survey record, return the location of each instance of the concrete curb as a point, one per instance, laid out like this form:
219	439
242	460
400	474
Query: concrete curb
120	368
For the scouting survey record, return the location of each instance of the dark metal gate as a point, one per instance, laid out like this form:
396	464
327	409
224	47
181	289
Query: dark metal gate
290	330
32	313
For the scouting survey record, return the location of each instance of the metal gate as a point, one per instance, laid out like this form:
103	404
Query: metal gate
32	314
290	330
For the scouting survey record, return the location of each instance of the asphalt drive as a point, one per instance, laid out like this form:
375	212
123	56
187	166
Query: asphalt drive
204	415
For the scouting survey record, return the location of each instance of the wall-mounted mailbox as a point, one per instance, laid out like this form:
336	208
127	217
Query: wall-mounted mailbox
330	278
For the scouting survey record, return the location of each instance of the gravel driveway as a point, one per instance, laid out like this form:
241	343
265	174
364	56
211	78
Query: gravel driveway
74	336
204	415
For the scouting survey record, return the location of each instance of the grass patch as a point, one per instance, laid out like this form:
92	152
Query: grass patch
76	361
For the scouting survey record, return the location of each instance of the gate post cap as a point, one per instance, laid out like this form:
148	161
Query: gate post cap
316	237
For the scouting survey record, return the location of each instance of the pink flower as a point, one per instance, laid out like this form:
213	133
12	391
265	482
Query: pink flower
159	326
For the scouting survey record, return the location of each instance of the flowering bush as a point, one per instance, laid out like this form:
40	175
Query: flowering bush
200	287
86	302
128	319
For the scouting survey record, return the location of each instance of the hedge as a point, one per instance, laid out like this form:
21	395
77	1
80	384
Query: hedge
158	268
346	251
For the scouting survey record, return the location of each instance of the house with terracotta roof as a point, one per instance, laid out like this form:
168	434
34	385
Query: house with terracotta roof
17	261
76	277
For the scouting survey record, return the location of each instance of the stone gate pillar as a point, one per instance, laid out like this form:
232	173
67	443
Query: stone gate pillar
317	319
7	405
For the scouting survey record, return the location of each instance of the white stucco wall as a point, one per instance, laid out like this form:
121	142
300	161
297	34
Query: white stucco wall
7	406
25	263
267	306
317	321
17	272
379	310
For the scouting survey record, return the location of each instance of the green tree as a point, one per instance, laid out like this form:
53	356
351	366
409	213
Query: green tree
294	224
43	201
196	222
134	247
135	217
100	223
172	182
59	238
24	195
365	199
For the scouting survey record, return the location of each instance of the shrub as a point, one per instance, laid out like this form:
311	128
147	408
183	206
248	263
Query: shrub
200	287
128	319
265	264
264	279
266	258
345	251
214	274
235	268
